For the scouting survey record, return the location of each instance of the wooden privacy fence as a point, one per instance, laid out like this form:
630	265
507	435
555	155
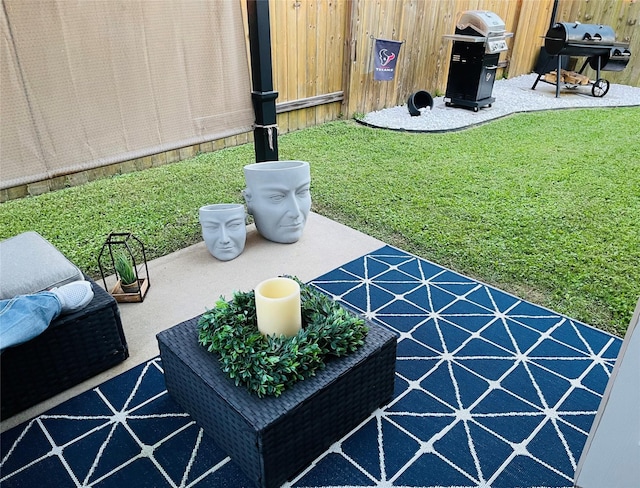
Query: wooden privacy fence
322	57
323	47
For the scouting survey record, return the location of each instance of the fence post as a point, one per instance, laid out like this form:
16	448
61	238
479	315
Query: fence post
265	132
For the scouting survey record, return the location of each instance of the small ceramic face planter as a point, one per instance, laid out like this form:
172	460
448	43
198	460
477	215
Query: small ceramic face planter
279	198
224	229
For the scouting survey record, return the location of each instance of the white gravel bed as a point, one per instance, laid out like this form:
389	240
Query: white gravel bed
512	96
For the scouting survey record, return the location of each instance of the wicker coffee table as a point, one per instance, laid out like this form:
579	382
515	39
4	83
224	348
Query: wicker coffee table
273	439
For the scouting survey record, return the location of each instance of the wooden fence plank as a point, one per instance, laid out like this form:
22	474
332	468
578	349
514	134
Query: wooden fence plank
337	55
310	57
323	40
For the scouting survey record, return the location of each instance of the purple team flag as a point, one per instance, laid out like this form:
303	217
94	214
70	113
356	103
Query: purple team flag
385	56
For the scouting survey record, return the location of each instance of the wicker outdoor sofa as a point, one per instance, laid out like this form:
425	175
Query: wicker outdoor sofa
74	348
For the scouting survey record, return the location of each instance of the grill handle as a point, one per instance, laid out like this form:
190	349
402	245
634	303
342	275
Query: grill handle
595	38
492	67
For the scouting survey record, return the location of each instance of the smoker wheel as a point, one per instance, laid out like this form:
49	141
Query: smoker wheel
600	88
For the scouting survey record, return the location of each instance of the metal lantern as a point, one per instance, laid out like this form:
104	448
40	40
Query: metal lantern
123	254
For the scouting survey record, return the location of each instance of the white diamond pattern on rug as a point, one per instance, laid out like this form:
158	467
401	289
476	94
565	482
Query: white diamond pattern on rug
122	433
494	391
491	391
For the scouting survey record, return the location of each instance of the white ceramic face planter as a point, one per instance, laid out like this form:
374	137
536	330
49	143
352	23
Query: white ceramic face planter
279	198
224	229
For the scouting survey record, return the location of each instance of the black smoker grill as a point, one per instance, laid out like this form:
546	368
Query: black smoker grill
596	42
479	39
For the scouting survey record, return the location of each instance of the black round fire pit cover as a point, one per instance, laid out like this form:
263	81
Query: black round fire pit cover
420	99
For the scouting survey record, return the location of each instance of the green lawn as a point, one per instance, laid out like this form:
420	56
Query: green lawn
543	205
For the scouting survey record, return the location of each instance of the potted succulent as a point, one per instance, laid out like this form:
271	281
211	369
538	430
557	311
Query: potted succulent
124	253
126	272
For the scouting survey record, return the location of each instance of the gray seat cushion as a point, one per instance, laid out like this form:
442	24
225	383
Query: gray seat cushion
29	264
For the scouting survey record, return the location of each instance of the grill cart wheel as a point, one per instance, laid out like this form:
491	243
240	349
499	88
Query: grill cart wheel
600	88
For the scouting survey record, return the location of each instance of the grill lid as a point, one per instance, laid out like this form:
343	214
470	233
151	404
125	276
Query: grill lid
481	26
576	39
484	22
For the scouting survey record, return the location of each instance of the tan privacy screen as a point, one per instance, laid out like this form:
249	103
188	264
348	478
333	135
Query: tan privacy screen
87	83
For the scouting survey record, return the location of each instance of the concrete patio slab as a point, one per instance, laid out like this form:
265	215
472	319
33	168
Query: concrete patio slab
185	283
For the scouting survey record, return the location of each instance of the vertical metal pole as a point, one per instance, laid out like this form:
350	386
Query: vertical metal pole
554	13
265	132
558	74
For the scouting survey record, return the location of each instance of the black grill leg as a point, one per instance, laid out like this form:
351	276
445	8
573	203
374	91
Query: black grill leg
535	83
584	65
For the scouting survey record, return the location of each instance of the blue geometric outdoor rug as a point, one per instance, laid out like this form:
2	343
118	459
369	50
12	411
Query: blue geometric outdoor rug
491	391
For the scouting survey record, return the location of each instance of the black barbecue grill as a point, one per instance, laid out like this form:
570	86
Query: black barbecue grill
479	39
596	42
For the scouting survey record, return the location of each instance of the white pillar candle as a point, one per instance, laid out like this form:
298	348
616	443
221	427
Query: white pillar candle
278	307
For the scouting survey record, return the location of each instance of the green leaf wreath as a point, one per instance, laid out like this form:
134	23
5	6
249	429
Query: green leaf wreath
267	365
